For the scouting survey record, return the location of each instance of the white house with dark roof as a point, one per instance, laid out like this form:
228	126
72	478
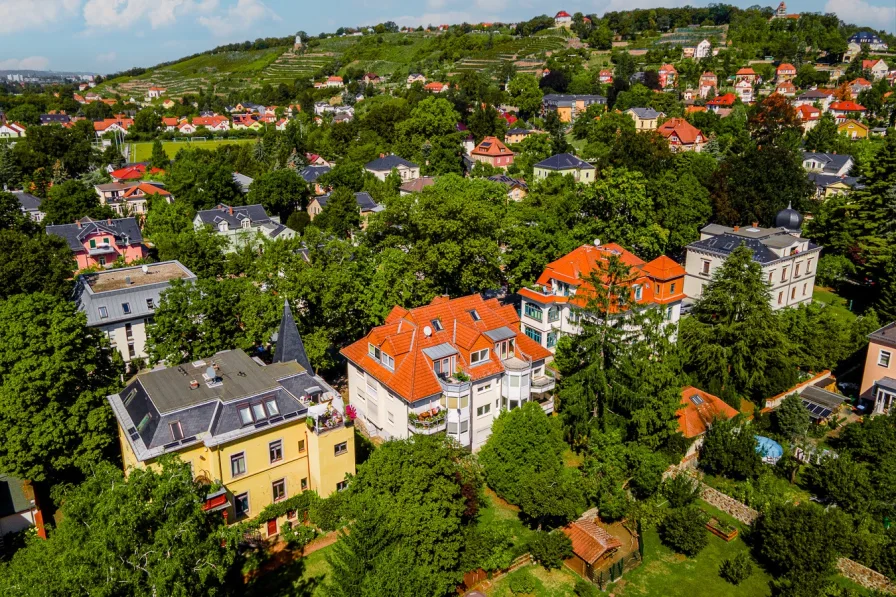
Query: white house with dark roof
789	262
366	206
565	163
246	224
30	205
383	166
838	164
121	302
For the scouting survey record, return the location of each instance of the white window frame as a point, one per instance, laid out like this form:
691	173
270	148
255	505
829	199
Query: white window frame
881	358
479	356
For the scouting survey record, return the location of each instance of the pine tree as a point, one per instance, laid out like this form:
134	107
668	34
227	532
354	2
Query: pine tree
733	338
159	159
340	215
824	136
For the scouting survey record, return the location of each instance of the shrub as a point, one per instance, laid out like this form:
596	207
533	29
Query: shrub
684	530
329	514
737	569
488	546
522	582
297	536
584	588
550	549
681	490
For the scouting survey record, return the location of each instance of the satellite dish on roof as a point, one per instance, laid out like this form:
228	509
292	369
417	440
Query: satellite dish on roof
211	373
145	268
596	242
427	331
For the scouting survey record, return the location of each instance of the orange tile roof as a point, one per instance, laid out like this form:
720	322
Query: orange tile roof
722	100
692	109
146	189
686	132
694	419
847	107
860	81
786	67
575	267
590	541
404	337
491	146
746	71
808	112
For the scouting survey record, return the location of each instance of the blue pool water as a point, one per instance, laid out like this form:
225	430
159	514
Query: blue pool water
769	449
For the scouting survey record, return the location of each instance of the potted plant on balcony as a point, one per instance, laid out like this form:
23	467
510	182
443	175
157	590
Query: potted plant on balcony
461	376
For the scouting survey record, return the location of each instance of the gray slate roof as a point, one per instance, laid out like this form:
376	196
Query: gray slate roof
813	94
363	199
243	181
125	230
27	201
12	497
885	334
724	244
89	295
312	173
564	161
509	181
209	413
386	163
833	162
289	342
566	99
255	213
820	179
54	118
645	113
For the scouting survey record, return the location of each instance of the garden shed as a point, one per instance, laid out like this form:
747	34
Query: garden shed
593	548
820	403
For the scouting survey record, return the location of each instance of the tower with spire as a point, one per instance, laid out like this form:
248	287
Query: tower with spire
289	342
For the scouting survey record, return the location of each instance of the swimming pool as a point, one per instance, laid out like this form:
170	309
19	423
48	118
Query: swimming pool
770	450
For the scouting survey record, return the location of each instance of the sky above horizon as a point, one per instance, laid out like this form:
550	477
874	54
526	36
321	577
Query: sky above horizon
111	35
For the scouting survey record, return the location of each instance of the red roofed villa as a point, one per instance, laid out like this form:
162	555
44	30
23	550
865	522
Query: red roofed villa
842	110
564	288
493	152
785	72
562	19
448	366
723	101
133	172
698	411
682	135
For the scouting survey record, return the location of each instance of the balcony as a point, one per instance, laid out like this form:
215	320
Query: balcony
101	250
543	384
547	404
428	422
325	417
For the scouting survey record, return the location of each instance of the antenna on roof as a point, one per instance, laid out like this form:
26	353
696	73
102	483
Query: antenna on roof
145	268
427	331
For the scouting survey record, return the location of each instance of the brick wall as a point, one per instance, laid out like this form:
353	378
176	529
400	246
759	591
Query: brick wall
868	578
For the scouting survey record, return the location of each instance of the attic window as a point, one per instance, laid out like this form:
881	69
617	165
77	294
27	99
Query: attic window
177	432
474	315
437	325
104	313
126	307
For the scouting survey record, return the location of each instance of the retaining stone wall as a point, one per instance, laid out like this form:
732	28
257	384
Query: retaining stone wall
728	504
868	578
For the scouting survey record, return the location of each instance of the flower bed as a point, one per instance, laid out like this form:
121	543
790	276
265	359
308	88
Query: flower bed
721	529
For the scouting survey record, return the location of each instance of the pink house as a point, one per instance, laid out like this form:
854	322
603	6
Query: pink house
493	152
97	243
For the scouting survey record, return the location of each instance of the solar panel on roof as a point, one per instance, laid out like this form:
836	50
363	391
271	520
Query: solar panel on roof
697	400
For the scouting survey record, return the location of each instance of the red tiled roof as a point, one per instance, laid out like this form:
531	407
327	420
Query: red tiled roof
562	13
663	268
403	337
746	71
786	67
492	147
808	112
698	413
686	132
869	63
434	86
668	68
722	100
692	109
860	81
786	86
589	541
146	189
848	106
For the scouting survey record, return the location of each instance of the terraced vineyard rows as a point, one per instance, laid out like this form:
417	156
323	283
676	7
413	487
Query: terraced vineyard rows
522	52
290	66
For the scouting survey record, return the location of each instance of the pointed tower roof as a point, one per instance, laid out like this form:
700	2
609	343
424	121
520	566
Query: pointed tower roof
289	342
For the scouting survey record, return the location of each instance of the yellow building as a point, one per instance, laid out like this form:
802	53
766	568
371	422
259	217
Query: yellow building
853	129
264	432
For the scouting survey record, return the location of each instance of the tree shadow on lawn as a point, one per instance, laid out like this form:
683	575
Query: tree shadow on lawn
286	580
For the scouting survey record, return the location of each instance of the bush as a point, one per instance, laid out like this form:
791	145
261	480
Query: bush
584	588
684	530
522	582
550	549
329	514
737	569
681	490
297	536
298	220
488	546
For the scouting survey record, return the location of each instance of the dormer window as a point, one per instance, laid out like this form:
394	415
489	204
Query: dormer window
387	361
223	227
479	356
246	223
437	325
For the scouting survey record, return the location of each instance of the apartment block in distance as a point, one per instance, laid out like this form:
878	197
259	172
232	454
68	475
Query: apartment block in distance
788	261
122	302
450	366
265	432
554	308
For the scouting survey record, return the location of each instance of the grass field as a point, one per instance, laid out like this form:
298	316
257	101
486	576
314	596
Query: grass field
141	151
303	577
834	301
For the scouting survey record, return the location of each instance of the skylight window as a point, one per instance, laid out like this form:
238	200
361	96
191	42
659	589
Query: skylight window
697	400
437	325
104	312
126	307
474	315
177	432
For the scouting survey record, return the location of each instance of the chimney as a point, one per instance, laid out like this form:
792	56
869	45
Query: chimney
78	222
231	211
736	228
755	224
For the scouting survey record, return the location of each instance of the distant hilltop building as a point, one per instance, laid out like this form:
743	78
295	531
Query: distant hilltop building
781	13
298	43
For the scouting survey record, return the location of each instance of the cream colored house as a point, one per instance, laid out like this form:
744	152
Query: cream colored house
646	119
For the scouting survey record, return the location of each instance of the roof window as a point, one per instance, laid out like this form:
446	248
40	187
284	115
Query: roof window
474	315
437	325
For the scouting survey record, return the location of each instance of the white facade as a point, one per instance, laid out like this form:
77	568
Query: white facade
470	407
703	49
790	275
128	338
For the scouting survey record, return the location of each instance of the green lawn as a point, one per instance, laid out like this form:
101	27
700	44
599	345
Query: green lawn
834	301
141	151
497	510
548	583
665	573
303	577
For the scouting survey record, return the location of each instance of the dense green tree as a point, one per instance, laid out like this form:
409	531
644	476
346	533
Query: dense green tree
823	136
523	462
733	340
681	490
72	200
682	207
341	215
684	530
826	339
550	549
144	535
12	217
158	159
40	263
801	543
26	114
426	493
281	192
729	449
203	179
54	376
791	417
147	120
526	94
